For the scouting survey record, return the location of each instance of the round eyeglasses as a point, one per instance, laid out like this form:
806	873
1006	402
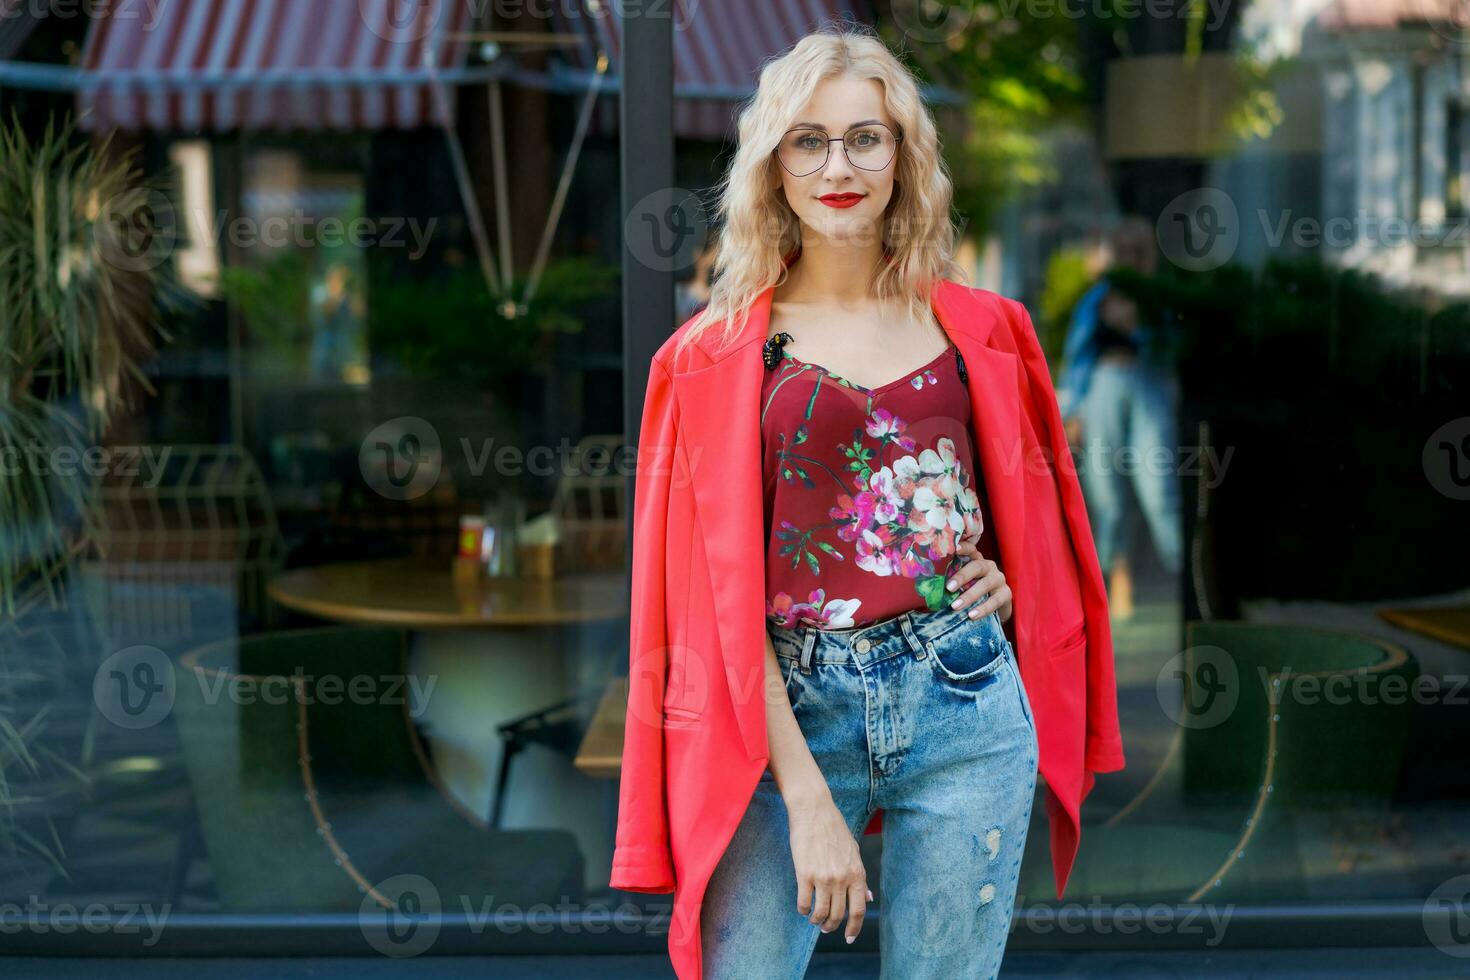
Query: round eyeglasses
868	147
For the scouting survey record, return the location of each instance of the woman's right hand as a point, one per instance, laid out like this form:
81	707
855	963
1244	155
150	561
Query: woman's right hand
831	882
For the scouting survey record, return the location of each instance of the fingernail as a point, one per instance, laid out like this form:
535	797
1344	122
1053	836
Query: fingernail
850	939
870	894
955	604
974	613
951	585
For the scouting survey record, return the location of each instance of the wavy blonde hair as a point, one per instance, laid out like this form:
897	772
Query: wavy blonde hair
758	229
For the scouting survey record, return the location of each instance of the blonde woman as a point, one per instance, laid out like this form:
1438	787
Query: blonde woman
851	485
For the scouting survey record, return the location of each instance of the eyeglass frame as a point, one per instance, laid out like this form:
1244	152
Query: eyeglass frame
776	152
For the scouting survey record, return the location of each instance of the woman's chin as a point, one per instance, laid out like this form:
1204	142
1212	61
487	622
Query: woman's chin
841	229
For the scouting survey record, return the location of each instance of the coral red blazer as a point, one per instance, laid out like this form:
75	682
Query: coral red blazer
695	741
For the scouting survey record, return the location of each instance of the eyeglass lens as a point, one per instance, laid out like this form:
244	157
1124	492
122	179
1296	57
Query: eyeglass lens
804	151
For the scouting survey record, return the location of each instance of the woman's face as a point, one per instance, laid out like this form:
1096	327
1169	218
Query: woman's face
843	200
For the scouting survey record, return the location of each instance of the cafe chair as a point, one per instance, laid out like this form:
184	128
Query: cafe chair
590	506
365	524
1244	779
181	523
560	727
186	542
311	799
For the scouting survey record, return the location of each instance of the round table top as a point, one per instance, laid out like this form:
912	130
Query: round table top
422	593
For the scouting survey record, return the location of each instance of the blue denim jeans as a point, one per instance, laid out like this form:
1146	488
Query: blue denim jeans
1129	438
924	716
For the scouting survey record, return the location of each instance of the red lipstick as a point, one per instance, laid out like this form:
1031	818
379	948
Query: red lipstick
840	200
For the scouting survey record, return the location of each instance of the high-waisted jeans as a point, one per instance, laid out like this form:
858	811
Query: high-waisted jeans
924	716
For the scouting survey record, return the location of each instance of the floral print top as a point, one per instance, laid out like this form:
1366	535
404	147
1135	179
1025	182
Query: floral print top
867	492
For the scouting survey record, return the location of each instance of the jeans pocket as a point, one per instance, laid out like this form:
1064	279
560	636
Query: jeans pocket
969	654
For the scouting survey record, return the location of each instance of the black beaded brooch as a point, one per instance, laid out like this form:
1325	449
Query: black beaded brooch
771	349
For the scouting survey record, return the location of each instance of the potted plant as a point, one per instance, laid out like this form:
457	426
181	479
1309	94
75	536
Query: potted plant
451	328
83	239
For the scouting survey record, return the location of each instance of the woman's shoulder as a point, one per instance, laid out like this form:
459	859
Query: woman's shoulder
980	308
978	294
676	356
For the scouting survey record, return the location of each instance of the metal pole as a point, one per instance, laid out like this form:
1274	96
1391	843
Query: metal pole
646	125
462	178
502	189
569	168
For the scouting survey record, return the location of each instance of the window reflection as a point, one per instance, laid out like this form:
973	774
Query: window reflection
314	535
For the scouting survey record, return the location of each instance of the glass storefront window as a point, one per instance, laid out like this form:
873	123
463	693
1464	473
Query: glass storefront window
313	413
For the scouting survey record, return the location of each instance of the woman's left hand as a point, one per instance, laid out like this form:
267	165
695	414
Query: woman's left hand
983	578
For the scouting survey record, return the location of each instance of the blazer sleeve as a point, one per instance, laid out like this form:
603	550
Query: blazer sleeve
1103	751
642	860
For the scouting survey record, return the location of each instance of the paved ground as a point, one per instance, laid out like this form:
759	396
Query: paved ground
1228	965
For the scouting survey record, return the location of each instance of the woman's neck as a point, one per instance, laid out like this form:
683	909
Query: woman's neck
840	275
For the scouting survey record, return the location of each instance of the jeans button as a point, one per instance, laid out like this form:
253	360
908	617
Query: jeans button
863	646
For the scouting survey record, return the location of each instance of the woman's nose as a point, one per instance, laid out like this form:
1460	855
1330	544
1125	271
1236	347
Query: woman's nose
837	158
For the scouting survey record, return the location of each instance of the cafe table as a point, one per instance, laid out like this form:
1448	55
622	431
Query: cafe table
483	651
1448	624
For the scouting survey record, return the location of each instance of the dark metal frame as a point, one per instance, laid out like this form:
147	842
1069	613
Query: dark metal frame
646	131
628	923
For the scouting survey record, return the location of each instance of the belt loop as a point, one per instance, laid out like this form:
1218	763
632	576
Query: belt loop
808	642
906	624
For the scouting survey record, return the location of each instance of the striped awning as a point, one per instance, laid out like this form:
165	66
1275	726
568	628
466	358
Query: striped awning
271	64
719	47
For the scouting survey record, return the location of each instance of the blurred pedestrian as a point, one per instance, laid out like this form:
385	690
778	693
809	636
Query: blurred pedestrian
1117	393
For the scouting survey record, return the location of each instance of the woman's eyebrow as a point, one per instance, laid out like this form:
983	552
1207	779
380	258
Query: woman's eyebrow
812	125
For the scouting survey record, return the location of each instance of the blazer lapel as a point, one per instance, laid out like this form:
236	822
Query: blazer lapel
995	418
719	422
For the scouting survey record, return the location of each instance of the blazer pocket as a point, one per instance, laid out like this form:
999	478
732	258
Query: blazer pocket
685	688
676	717
1070	642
